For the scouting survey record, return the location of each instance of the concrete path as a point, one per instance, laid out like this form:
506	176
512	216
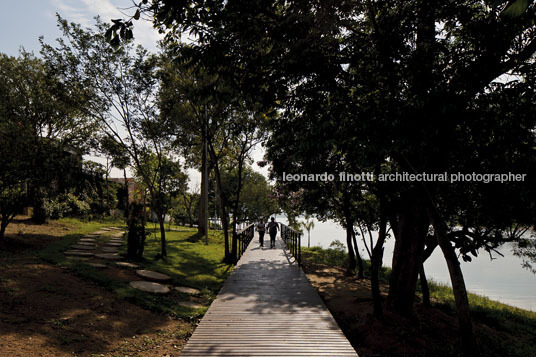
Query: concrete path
267	307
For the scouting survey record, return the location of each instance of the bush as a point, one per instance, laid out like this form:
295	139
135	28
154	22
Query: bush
65	205
55	208
77	206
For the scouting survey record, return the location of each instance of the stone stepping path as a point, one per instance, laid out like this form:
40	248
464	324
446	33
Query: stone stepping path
149	287
152	275
87	240
83	247
191	304
78	253
126	265
113	245
109	256
187	290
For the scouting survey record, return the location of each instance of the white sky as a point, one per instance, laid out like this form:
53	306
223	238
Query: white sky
23	21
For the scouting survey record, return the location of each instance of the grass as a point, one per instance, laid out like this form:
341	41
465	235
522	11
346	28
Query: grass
189	262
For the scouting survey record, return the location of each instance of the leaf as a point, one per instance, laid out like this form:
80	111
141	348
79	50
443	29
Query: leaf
108	34
137	15
516	8
129	35
115	41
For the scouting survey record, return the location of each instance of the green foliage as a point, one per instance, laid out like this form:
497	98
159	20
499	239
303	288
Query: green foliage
255	201
526	250
43	133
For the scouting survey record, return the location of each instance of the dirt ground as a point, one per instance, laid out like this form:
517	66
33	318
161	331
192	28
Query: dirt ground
349	300
47	311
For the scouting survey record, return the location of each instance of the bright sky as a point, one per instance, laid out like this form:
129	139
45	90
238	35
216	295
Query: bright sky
23	21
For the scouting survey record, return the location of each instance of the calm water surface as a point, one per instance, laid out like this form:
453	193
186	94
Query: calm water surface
502	279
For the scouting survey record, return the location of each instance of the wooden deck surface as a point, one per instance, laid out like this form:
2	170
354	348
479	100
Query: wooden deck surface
267	307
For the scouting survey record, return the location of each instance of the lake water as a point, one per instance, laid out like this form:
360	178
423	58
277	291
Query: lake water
502	279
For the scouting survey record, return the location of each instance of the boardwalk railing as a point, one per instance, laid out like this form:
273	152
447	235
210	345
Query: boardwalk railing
292	239
244	237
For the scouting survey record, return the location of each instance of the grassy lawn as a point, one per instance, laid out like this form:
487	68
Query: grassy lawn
189	263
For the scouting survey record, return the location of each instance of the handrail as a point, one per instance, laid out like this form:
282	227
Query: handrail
292	239
244	237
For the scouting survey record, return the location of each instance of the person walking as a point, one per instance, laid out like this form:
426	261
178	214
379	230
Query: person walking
261	228
273	227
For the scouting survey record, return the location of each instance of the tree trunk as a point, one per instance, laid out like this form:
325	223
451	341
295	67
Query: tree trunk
360	271
236	203
3	226
161	222
351	254
375	266
407	255
136	231
126	189
223	204
469	346
201	226
424	287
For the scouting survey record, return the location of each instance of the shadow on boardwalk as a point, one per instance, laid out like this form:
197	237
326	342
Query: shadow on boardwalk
268	307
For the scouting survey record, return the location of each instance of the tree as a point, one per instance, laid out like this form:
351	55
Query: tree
254	199
308	224
166	181
42	133
125	102
119	158
413	75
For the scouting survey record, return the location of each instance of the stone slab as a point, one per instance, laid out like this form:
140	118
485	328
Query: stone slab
83	247
110	249
97	265
191	305
84	242
113	244
126	265
152	275
78	258
187	290
108	256
78	253
150	287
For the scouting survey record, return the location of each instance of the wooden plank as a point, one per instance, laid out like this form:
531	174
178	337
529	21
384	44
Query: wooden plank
267	307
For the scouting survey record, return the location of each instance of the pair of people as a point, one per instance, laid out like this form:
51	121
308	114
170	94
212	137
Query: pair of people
272	227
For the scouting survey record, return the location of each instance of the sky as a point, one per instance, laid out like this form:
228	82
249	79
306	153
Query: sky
22	22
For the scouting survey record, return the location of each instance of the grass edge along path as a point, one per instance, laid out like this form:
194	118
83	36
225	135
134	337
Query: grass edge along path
189	263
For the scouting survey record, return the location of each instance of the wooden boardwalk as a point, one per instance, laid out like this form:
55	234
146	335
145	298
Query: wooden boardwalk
267	307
